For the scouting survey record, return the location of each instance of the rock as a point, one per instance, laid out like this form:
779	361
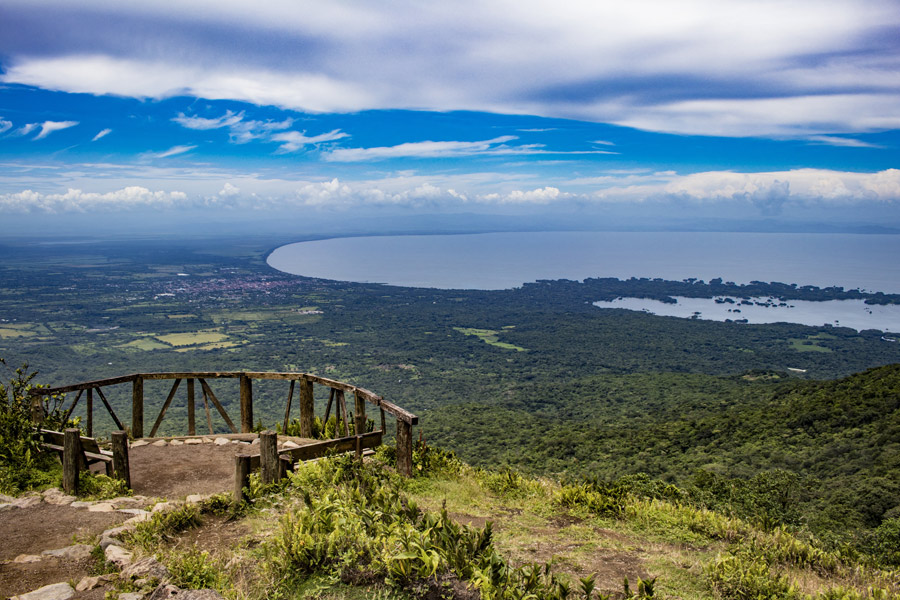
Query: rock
146	568
139	443
118	555
56	591
176	443
126	500
59	499
131	596
87	583
28	501
82	504
170	591
76	552
137	519
195	498
160	443
254	442
290	444
161	506
4	499
28	558
133	511
236	442
222	441
193	441
101	507
207	441
8	506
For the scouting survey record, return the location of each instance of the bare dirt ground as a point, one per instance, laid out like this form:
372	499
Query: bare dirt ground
176	471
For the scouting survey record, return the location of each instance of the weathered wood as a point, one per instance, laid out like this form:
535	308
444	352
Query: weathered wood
165	407
109	409
218	406
194	374
268	457
82	386
120	466
401	414
206	407
74	404
241	476
307	408
137	407
359	447
360	414
404	448
71	460
344	444
246	404
343	404
90	412
192	430
328	406
287	409
382	420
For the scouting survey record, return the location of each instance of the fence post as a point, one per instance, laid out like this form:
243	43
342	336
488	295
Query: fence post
404	448
90	412
246	404
121	469
307	408
137	407
37	409
241	476
268	456
192	430
71	460
360	416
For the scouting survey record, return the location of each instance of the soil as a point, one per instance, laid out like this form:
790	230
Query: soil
176	471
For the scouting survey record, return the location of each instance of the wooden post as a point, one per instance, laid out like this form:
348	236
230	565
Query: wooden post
37	410
90	412
359	448
246	404
382	420
343	406
268	456
360	416
287	409
192	430
241	476
307	408
165	407
121	469
206	407
404	448
137	407
71	460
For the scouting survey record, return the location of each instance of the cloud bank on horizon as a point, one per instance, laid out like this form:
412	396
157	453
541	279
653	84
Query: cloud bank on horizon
762	102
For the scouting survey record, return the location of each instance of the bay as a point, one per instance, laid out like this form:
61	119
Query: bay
506	260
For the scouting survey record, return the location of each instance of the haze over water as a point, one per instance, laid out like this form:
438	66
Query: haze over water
507	260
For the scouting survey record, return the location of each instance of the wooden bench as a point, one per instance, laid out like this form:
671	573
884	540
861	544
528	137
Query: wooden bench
91	453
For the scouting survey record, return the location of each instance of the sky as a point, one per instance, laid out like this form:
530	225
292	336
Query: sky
648	113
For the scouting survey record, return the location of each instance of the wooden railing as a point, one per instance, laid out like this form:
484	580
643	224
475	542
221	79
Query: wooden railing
306	401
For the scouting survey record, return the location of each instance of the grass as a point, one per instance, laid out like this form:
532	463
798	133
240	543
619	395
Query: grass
145	343
807	345
9	332
490	337
194	338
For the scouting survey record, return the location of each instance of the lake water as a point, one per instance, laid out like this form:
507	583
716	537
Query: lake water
507	260
840	313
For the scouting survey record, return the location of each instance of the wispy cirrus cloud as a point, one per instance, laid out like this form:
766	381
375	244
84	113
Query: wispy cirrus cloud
448	149
240	130
173	151
5	125
291	141
843	142
101	134
48	127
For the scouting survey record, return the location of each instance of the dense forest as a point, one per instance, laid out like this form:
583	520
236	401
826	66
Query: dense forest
535	378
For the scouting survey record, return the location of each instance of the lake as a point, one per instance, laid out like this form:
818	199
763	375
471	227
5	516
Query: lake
506	260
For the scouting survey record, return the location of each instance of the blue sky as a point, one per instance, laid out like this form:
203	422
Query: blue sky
640	111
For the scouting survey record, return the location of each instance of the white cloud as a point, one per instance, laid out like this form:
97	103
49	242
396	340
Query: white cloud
229	191
844	142
294	140
101	134
25	129
48	127
5	125
446	149
763	67
173	151
74	200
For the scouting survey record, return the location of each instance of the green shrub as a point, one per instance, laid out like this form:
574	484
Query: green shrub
196	570
163	525
94	486
601	501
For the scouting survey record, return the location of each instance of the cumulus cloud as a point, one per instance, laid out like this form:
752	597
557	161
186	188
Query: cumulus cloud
229	191
74	200
101	134
701	66
294	140
48	127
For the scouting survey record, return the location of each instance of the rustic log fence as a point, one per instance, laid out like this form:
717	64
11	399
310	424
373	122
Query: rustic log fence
306	401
